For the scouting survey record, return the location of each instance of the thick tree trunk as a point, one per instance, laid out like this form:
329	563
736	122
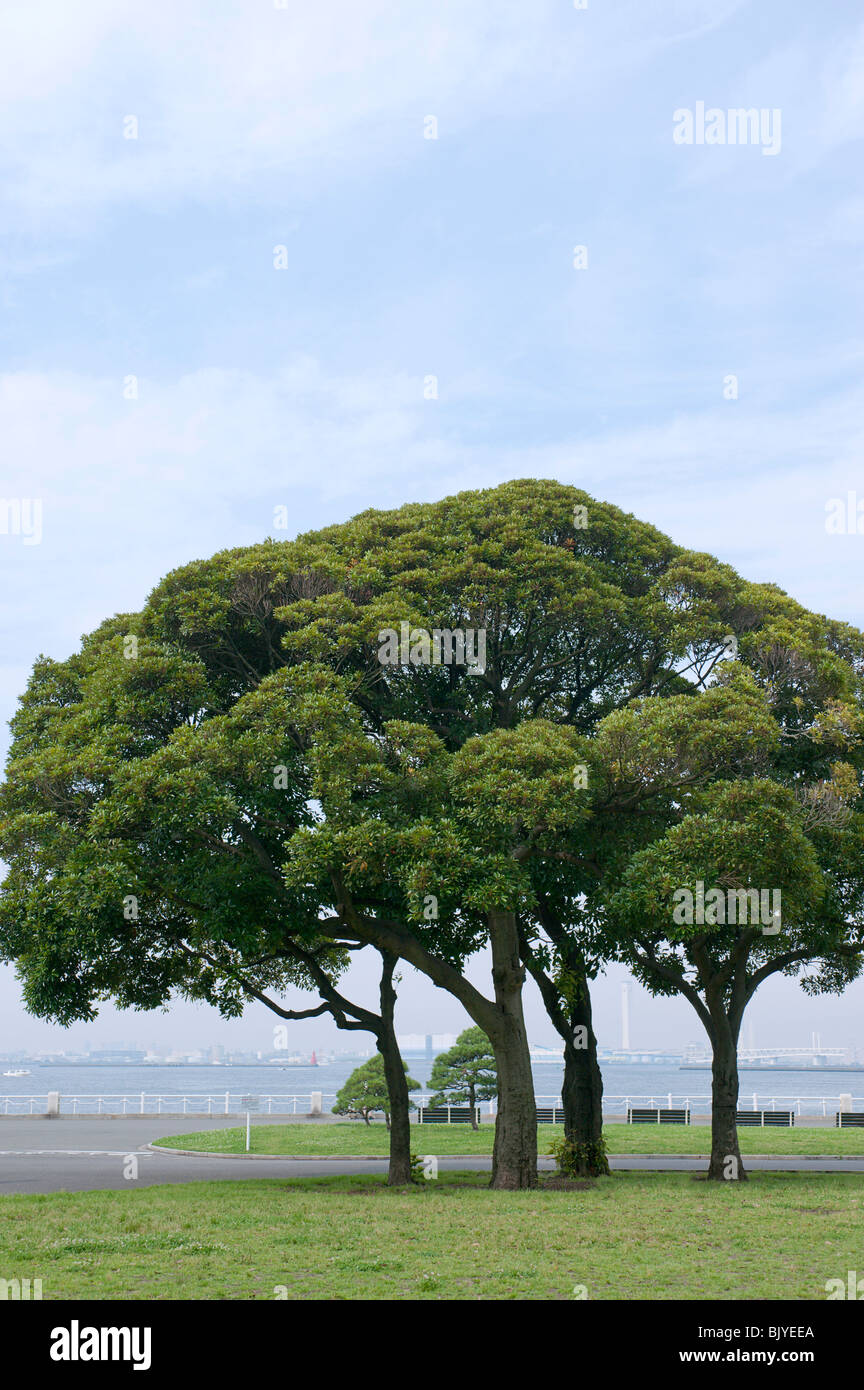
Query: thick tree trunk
582	1100
472	1101
582	1091
514	1157
399	1172
725	1162
514	1162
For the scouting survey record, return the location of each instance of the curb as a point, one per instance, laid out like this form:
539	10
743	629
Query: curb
385	1158
292	1158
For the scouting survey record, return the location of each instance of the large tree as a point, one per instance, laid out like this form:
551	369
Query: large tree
750	876
584	611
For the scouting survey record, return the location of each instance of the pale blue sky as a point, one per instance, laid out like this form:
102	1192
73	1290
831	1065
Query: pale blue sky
303	127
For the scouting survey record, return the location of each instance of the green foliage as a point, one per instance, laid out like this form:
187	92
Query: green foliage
155	778
580	1160
365	1092
466	1072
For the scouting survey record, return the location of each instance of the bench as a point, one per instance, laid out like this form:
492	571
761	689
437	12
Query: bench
550	1115
785	1119
849	1119
445	1115
657	1115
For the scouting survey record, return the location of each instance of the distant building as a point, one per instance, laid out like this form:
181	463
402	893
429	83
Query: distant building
118	1056
424	1044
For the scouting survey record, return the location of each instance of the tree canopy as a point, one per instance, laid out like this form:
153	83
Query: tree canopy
228	792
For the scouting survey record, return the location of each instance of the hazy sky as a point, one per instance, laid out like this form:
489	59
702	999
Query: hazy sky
165	386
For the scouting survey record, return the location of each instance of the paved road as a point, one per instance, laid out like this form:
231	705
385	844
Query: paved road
87	1154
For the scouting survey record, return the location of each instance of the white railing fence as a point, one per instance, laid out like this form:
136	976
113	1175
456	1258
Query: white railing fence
146	1103
701	1105
231	1103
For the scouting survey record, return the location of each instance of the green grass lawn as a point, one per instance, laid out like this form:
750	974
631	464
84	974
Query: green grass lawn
631	1236
305	1140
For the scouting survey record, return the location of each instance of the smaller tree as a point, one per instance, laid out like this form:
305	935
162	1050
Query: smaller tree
466	1072
365	1092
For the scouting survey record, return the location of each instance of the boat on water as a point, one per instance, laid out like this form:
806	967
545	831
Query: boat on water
16	1073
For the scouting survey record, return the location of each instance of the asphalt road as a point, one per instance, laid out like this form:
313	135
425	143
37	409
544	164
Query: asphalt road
89	1154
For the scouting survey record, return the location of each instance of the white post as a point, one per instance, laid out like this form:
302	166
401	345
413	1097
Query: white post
53	1104
226	1102
315	1103
247	1131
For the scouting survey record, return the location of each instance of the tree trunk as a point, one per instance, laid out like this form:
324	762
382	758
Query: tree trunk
514	1162
399	1172
514	1157
472	1101
582	1091
582	1095
725	1154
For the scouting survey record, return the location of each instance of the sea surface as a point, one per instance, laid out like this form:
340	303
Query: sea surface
197	1089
